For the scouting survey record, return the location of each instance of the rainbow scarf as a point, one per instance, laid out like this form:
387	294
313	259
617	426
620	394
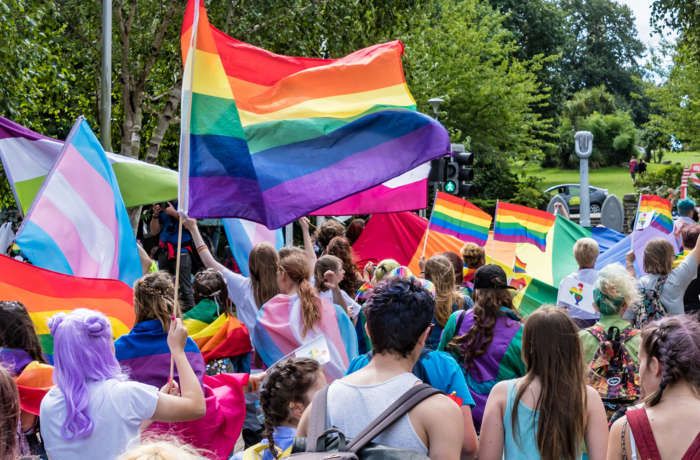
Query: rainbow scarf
279	332
144	354
33	379
45	293
457	217
520	224
217	337
276	136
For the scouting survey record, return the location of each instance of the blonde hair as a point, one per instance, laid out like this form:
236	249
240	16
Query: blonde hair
586	252
162	449
384	268
614	281
154	298
439	271
473	255
658	257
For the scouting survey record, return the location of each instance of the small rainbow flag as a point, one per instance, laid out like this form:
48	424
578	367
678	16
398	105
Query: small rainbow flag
270	138
519	266
519	224
662	219
45	293
457	217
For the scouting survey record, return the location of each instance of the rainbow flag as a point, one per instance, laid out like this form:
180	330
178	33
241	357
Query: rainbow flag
243	235
662	219
271	146
520	224
33	379
78	224
216	335
519	266
45	293
457	217
279	332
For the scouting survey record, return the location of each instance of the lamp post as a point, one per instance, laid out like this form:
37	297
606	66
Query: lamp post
106	77
435	103
583	141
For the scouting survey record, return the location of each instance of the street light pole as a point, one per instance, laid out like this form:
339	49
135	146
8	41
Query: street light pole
106	79
583	141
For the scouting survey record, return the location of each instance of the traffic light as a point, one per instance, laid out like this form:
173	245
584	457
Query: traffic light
465	174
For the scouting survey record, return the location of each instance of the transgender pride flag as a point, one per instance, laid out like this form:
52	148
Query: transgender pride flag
243	235
78	224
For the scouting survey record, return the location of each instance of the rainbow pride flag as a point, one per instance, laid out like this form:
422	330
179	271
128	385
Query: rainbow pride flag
662	219
78	224
216	335
270	138
519	224
457	217
519	266
45	293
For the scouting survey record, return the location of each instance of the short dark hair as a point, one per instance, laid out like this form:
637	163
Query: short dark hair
397	314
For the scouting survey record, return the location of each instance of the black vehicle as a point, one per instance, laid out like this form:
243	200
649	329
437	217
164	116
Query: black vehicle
571	193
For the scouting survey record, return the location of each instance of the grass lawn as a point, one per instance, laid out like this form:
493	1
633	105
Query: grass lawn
616	179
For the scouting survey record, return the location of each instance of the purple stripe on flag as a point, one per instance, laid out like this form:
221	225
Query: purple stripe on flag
10	129
236	197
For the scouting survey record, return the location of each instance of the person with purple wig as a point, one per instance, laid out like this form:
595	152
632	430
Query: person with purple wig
94	410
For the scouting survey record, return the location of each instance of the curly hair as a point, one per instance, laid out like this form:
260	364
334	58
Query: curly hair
286	382
473	255
675	342
210	284
329	229
154	298
340	247
17	330
476	342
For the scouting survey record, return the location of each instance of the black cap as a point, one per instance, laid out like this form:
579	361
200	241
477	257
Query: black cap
491	277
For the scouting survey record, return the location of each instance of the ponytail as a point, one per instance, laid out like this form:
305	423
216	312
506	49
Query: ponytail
296	267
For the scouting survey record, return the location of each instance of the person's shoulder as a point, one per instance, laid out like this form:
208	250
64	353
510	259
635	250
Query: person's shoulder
54	397
438	406
358	363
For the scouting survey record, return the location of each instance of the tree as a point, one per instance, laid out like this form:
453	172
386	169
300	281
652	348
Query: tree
682	16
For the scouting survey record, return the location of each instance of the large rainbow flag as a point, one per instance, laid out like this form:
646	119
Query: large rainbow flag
457	217
270	138
662	219
46	293
519	224
78	224
217	335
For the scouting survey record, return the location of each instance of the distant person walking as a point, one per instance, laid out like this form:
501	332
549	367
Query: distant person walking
633	167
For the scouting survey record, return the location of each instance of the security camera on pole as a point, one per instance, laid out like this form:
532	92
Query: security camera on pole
584	147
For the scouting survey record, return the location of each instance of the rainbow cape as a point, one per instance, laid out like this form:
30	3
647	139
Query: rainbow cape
457	217
145	356
279	332
45	293
663	219
519	224
278	143
219	336
33	379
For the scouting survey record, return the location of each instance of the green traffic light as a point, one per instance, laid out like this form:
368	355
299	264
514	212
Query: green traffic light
450	186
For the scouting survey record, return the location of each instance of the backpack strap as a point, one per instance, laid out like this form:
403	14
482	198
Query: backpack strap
693	452
598	332
318	421
643	436
460	320
391	414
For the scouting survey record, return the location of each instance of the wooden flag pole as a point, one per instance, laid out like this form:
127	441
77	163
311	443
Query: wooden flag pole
176	303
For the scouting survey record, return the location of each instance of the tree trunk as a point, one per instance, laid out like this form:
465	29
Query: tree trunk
167	116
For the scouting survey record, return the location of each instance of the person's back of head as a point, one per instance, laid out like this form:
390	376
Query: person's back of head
399	312
384	267
324	264
439	271
83	353
457	266
17	330
262	265
689	235
287	390
329	229
162	449
473	255
9	415
672	345
296	268
614	290
685	207
210	284
154	298
586	252
340	247
552	354
658	257
354	230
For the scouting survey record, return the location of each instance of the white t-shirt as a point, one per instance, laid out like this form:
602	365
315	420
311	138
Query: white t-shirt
352	307
240	291
117	409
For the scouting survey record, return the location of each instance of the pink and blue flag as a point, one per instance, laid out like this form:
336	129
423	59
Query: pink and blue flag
243	235
78	224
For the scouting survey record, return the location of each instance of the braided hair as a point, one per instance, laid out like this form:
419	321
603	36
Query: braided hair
210	284
675	342
287	382
154	298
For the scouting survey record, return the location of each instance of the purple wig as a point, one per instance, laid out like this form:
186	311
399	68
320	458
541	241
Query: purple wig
83	353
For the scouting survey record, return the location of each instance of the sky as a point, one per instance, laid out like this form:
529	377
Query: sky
642	14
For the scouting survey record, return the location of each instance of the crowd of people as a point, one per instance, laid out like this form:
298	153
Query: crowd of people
621	384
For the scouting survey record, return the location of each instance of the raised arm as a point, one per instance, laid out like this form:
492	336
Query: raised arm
202	249
154	225
308	244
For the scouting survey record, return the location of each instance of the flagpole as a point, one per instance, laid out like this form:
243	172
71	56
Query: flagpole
427	229
176	304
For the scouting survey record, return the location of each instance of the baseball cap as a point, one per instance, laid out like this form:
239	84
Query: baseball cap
490	276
